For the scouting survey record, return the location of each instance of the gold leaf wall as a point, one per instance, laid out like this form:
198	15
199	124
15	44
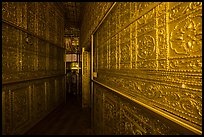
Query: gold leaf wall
85	78
92	13
149	52
32	63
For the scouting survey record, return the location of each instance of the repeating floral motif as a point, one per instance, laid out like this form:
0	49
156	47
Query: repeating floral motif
27	56
30	51
117	115
27	102
169	98
110	116
164	53
186	38
92	20
146	46
180	9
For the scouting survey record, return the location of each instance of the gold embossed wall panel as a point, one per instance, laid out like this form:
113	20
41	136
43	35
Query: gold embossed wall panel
86	79
92	15
38	99
111	114
20	108
26	51
24	104
17	114
98	110
116	115
185	36
26	56
32	17
151	51
6	111
31	61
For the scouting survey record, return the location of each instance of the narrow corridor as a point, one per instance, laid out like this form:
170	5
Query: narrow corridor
67	119
101	68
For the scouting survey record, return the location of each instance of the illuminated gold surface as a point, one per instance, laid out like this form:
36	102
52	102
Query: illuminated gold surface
27	54
150	51
32	48
94	12
85	78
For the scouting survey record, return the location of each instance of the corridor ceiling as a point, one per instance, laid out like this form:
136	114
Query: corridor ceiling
72	17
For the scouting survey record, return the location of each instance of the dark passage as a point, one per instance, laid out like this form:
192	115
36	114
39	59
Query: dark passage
67	119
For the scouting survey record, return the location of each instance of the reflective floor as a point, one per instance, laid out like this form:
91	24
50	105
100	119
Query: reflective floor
67	119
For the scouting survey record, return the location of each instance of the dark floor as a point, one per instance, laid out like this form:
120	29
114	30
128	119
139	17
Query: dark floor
67	119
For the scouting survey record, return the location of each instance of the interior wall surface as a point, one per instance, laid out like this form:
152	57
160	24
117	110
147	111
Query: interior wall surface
85	78
33	67
149	54
92	14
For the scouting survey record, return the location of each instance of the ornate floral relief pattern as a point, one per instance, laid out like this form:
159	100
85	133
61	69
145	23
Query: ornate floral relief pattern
161	20
162	64
22	52
147	122
147	64
186	37
165	44
131	118
191	64
124	13
142	6
110	114
164	95
183	9
161	9
192	82
162	44
124	51
146	46
133	10
146	18
125	55
184	104
130	123
146	28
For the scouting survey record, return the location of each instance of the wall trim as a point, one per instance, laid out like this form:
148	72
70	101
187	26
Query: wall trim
159	112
